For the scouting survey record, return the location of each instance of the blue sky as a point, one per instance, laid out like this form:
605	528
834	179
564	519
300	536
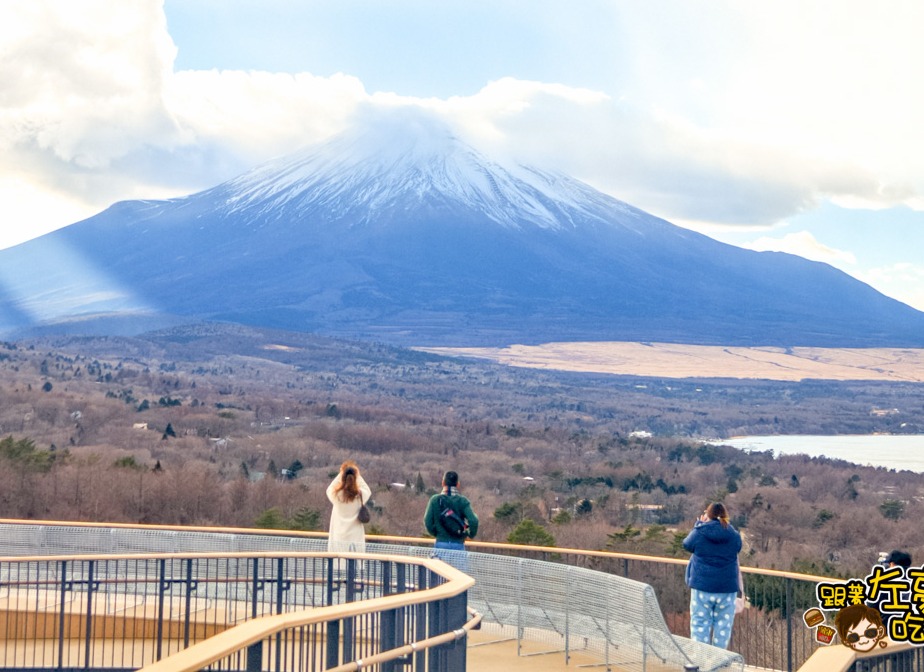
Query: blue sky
792	125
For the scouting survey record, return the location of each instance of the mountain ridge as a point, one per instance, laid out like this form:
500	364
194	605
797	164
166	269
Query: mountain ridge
401	232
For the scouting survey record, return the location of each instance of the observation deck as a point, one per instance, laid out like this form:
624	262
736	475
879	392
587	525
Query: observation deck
170	599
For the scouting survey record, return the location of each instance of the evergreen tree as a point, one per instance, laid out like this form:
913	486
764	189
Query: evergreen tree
893	509
508	511
270	519
531	533
306	519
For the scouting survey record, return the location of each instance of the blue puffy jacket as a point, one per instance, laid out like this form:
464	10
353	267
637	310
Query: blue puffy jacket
714	565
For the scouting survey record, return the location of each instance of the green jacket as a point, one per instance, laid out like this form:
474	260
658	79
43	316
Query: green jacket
461	505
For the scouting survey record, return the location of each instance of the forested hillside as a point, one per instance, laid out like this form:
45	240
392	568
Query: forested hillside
234	426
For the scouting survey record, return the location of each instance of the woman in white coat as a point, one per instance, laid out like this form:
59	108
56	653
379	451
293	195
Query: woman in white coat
347	493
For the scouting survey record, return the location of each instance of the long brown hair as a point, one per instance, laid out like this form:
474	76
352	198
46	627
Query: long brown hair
348	489
717	511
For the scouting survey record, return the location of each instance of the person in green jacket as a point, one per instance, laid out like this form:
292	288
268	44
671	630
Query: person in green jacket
449	516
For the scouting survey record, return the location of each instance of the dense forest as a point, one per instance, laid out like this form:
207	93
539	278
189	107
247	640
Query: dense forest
226	425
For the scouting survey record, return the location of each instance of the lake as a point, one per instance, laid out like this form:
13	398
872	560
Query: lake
905	451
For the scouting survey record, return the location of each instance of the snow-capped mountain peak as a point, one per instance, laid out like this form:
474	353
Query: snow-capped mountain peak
405	163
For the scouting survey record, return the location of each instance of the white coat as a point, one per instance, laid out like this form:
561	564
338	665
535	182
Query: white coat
346	532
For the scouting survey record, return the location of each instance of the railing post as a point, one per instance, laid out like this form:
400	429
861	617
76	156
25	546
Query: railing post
606	629
349	644
568	619
333	643
329	586
388	634
255	657
257	586
456	614
332	640
280	583
436	623
91	564
351	580
61	619
420	626
281	587
400	614
190	587
162	587
520	607
788	616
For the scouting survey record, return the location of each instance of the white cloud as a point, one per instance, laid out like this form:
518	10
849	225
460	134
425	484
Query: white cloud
903	281
261	114
819	97
761	112
82	81
31	209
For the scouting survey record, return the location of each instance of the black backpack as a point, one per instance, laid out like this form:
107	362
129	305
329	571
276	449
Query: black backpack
454	524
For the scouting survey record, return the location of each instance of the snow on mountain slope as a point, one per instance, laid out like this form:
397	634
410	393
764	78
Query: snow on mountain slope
384	165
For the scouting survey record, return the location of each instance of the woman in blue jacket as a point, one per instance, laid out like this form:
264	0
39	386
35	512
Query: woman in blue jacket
712	575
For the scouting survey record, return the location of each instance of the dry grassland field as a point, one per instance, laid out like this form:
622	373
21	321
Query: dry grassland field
670	360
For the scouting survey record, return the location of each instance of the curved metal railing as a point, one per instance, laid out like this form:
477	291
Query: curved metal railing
769	635
281	611
263	641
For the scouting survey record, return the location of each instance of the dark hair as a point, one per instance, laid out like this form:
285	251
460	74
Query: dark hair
899	558
717	511
848	617
348	489
451	479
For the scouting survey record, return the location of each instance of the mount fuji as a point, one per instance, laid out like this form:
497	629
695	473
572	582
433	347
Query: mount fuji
401	232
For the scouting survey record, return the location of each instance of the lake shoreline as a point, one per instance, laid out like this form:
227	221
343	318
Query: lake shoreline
902	452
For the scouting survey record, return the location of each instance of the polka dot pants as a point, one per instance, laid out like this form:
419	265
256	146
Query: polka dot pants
711	617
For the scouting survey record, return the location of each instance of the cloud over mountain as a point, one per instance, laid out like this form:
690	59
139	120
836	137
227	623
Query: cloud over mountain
401	230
